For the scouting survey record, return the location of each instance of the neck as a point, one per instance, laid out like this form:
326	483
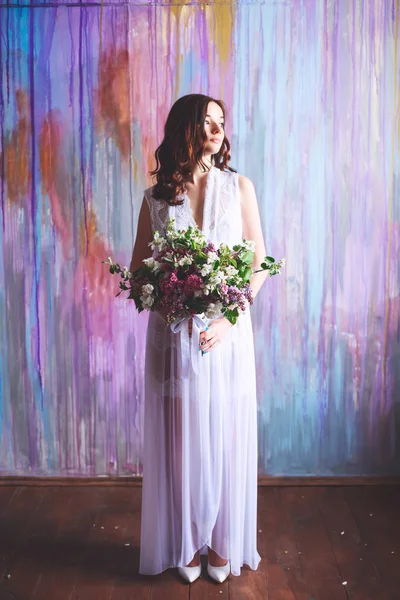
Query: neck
197	170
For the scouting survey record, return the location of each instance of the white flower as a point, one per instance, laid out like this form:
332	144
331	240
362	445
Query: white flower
212	257
251	245
205	270
146	300
153	264
158	241
197	293
156	266
147	289
149	262
213	309
230	270
218	277
185	260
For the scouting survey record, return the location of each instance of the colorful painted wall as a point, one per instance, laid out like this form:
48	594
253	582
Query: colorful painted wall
313	92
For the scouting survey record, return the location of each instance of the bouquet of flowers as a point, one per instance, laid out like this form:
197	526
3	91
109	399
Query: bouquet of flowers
188	275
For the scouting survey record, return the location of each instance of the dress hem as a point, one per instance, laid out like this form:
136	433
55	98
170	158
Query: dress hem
176	566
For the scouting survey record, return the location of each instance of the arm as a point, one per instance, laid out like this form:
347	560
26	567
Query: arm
252	229
144	236
142	249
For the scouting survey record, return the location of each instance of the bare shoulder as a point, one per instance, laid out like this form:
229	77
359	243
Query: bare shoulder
148	192
246	189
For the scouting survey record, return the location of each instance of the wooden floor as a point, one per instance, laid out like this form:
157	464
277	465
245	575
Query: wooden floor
316	543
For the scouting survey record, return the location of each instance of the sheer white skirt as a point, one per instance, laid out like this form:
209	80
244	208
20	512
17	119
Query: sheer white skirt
200	451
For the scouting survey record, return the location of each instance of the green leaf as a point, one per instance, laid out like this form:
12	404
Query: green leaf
248	257
231	315
270	259
248	273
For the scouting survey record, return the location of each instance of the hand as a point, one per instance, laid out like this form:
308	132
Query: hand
216	332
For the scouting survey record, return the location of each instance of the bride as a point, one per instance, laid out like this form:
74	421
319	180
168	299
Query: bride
200	428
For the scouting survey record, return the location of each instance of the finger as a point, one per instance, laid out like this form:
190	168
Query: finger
211	347
204	341
210	344
204	336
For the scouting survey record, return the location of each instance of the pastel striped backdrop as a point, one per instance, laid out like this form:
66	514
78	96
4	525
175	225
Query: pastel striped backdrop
313	92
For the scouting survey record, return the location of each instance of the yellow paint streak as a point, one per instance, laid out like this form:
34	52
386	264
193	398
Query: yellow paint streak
224	19
220	19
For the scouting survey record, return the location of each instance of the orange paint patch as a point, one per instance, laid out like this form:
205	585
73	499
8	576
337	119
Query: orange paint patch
17	154
113	100
98	276
55	178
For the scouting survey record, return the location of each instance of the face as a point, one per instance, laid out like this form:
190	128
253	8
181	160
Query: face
214	128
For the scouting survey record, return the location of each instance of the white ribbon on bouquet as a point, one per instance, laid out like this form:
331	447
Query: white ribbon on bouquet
189	346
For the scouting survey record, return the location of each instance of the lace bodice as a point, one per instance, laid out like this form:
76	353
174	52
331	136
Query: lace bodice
222	220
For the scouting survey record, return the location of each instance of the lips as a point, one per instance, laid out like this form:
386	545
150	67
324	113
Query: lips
216	140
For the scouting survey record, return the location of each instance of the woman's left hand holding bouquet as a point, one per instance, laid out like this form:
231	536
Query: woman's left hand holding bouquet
214	334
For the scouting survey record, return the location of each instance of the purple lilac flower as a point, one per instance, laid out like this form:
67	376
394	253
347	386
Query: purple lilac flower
193	283
210	247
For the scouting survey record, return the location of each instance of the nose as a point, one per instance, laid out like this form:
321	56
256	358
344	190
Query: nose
217	129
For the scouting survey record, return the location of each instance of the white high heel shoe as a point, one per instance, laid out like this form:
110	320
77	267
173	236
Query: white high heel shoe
190	574
219	574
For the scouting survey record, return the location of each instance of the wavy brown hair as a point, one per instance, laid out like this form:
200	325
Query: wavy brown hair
183	144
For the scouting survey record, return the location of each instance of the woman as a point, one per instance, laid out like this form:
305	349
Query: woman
200	426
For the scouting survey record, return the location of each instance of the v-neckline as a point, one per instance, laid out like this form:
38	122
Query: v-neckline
204	213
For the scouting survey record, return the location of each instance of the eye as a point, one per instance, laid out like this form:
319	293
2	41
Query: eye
207	122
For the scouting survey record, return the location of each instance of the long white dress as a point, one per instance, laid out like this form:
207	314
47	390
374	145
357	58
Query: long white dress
200	419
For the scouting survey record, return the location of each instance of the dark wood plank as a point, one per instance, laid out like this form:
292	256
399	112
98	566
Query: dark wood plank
285	580
7	494
167	584
51	551
54	547
96	564
18	522
316	558
129	583
377	514
353	558
66	552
